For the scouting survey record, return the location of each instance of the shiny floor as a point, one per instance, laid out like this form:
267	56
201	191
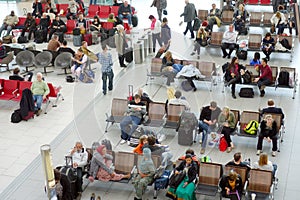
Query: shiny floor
81	116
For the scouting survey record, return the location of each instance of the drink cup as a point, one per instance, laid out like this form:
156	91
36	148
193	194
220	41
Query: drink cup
253	195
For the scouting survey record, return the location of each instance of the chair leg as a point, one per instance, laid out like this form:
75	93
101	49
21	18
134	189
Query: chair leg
47	104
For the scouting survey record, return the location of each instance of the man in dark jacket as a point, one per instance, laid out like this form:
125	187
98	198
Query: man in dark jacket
58	25
37	9
271	109
44	25
29	25
189	15
160	5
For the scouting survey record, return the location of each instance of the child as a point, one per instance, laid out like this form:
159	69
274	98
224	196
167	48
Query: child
256	59
139	149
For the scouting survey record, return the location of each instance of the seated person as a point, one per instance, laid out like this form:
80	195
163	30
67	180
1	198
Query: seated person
256	59
278	20
102	167
65	48
228	6
79	157
265	164
268	132
37	9
142	141
240	17
125	11
58	185
237	161
201	41
268	45
146	171
136	110
186	189
265	77
169	68
3	52
227	121
159	150
180	100
117	4
145	98
190	72
72	10
44	25
207	122
272	109
80	60
88	52
9	22
214	17
231	185
81	24
53	44
192	153
50	7
40	90
16	75
29	25
96	25
234	74
291	22
111	18
57	25
229	41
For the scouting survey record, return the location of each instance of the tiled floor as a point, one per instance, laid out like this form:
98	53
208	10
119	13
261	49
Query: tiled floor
81	116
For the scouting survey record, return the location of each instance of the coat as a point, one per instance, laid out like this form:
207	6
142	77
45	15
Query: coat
121	43
189	13
159	4
26	103
192	171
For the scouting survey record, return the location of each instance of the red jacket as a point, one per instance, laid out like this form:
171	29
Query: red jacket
265	72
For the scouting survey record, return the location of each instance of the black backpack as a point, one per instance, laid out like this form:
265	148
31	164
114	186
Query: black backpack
283	78
22	39
76	31
285	43
246	93
16	116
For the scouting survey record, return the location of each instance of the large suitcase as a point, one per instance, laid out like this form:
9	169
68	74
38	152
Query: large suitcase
134	20
77	40
39	36
88	38
187	125
129	55
242	54
68	181
163	181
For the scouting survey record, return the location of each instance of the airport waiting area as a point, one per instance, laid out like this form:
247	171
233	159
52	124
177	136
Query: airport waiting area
149	99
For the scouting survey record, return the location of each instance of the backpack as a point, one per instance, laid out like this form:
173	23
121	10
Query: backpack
16	116
22	39
283	78
246	93
107	144
223	144
187	121
206	159
285	43
70	79
251	127
87	76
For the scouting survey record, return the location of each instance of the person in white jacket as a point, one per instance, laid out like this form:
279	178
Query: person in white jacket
278	20
190	72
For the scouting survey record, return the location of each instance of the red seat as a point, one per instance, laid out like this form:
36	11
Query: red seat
93	11
54	93
43	7
71	24
63	7
115	10
22	85
104	11
252	1
21	22
10	87
37	21
107	25
265	2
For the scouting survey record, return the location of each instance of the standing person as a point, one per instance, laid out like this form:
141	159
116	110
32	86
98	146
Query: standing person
160	6
227	121
40	90
229	41
156	31
268	132
105	59
9	22
121	44
189	15
29	25
165	33
201	40
265	77
37	9
268	45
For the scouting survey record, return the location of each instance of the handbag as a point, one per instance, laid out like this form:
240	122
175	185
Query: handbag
165	12
176	179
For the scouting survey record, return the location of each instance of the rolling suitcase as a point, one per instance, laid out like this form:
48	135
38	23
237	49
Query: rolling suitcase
88	38
187	125
77	40
163	181
39	36
129	55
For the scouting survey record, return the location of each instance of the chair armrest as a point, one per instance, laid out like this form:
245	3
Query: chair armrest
15	91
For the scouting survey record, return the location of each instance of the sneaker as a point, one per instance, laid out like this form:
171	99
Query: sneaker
193	53
123	141
128	142
198	57
258	152
161	138
202	151
274	154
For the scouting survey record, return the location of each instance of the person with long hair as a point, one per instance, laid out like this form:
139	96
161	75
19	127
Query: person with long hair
268	45
264	163
165	33
278	20
227	121
233	74
256	59
231	185
201	41
96	26
169	68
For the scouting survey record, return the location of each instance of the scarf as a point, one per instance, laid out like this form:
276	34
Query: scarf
153	24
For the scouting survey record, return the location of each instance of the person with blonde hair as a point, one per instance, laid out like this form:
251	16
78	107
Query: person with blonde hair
227	121
268	132
169	68
278	20
201	40
264	163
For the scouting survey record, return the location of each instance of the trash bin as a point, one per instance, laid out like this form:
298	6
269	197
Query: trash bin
138	49
150	45
145	40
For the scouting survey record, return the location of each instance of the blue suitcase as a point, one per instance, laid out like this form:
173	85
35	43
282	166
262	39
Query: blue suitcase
161	182
77	40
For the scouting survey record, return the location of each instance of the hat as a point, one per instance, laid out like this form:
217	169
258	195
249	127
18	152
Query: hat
120	27
177	94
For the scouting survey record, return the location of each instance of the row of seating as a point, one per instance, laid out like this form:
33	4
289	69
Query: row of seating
206	68
258	2
103	11
275	74
12	90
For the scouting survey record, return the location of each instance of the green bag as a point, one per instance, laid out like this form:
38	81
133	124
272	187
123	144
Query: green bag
252	127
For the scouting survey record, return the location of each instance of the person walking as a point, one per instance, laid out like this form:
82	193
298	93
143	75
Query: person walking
160	6
189	15
105	59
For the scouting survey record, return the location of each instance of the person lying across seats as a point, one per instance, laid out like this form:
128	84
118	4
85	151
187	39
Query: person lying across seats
265	77
190	72
169	68
102	167
231	185
234	74
186	188
136	111
268	132
227	121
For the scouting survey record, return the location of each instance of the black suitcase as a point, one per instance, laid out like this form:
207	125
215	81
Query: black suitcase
129	55
187	125
246	92
134	20
22	39
242	54
39	36
60	36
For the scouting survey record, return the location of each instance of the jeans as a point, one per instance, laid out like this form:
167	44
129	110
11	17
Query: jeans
79	179
156	36
39	100
280	28
135	121
8	29
261	82
110	76
189	27
206	131
126	16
